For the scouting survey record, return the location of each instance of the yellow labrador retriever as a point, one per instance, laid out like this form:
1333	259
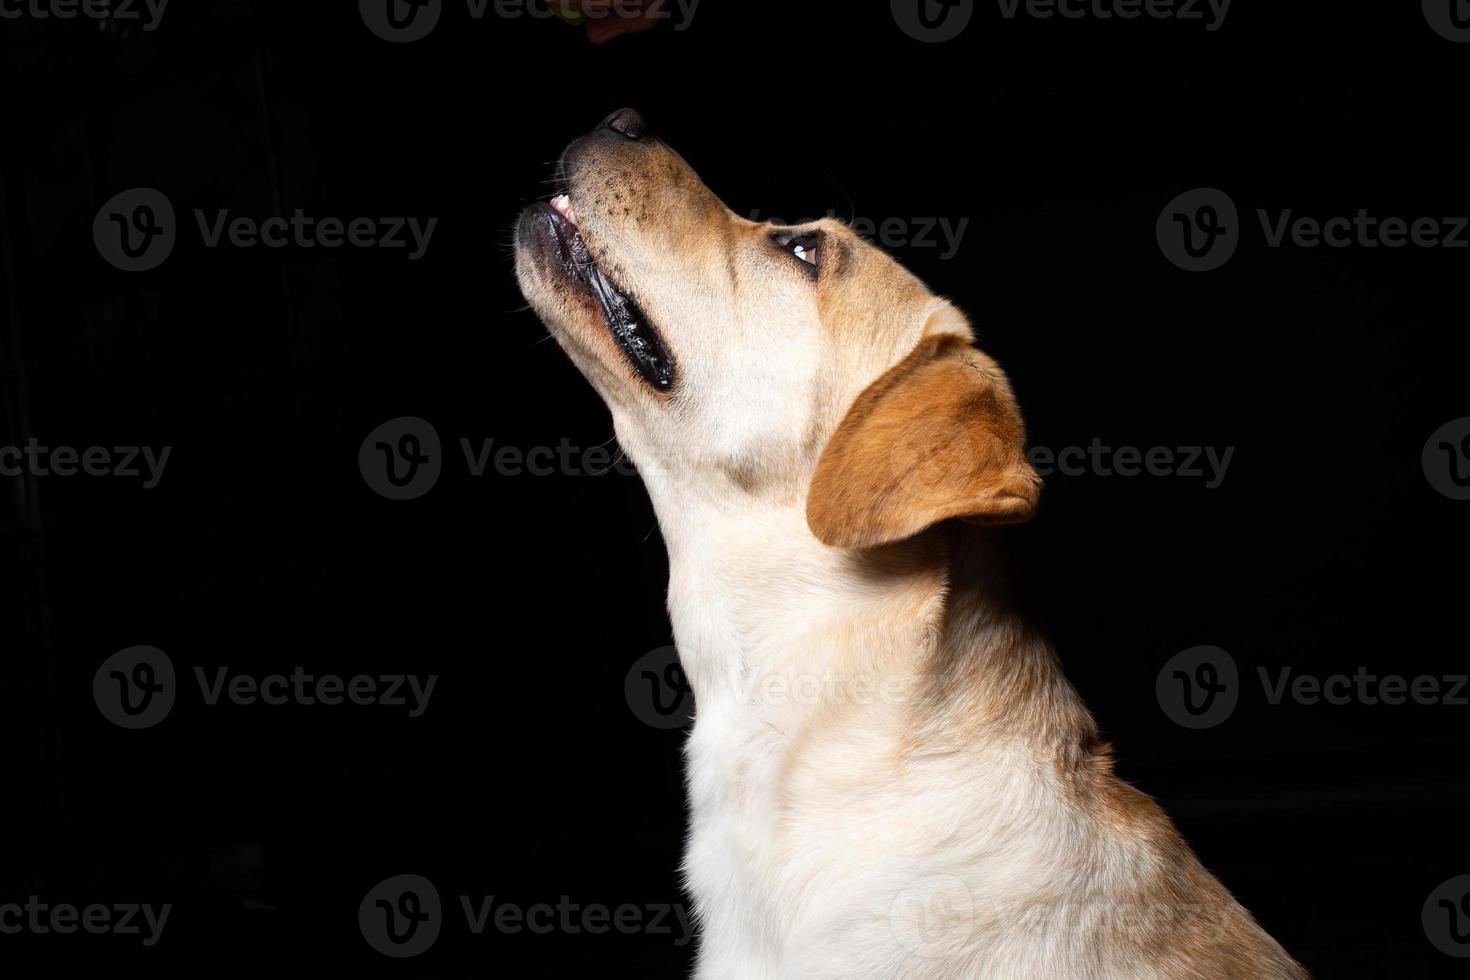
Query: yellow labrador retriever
889	777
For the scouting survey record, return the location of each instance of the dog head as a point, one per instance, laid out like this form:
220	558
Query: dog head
748	364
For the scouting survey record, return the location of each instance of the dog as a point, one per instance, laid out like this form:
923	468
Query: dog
888	774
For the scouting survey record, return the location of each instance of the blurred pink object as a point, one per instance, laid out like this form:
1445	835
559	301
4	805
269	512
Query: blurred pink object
606	19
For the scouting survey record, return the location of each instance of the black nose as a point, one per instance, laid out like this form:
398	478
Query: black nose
629	122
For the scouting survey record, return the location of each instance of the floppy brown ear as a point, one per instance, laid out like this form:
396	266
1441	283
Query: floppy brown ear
938	436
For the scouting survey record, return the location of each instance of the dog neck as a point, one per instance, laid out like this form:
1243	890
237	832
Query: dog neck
770	621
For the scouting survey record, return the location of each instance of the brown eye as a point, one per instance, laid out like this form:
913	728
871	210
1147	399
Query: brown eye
805	246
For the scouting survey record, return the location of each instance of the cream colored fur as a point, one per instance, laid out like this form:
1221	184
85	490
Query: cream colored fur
889	776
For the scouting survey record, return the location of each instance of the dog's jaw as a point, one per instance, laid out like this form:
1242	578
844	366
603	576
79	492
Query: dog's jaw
559	274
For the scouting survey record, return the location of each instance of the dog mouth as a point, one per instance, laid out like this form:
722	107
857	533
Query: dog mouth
631	330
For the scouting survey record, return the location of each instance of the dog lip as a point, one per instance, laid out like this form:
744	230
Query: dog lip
631	330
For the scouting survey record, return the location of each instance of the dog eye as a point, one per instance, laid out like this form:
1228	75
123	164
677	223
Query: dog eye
807	246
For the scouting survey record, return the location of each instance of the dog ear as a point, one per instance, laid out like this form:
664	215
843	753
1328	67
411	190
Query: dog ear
938	436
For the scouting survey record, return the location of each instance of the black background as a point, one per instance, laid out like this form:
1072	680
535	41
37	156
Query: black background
529	778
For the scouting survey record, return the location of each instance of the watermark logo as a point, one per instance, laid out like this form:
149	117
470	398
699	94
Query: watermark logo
658	691
401	916
1450	19
134	688
401	459
1446	459
1199	687
1199	230
401	21
136	230
148	13
1446	917
925	454
933	21
932	915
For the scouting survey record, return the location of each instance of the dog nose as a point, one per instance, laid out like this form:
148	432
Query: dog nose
629	122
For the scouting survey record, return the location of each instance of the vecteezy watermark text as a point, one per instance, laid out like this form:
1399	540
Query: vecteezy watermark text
135	688
402	916
147	13
40	918
123	462
405	21
660	695
1200	230
136	230
939	912
1201	687
403	458
1207	463
945	234
1210	12
304	231
936	21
